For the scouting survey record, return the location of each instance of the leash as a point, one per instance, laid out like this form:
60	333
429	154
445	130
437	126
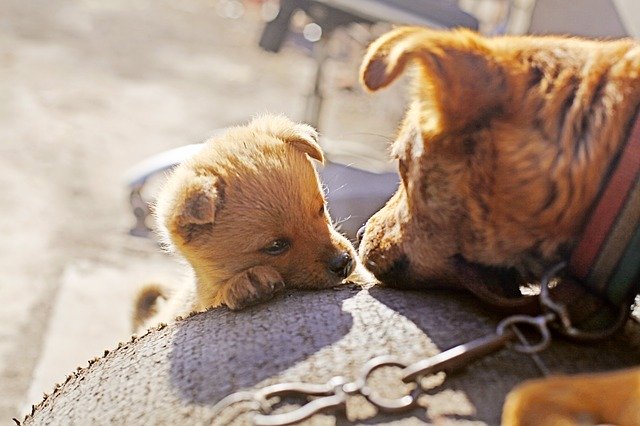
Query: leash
333	394
581	314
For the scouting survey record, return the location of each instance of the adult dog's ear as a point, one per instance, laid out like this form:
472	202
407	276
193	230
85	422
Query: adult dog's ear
458	71
300	136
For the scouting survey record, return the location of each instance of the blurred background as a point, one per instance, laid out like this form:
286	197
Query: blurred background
92	93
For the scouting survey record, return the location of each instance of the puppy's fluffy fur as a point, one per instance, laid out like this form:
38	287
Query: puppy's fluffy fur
248	215
501	155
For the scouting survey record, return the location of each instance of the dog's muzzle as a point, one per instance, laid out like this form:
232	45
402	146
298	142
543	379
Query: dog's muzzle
394	275
341	265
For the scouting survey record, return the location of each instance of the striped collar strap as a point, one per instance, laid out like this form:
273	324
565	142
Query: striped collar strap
607	257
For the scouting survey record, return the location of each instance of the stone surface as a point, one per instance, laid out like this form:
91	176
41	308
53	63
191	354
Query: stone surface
175	374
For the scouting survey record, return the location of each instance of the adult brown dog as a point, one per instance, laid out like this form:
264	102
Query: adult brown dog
502	153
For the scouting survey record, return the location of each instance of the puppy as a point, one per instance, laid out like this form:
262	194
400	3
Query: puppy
248	215
501	154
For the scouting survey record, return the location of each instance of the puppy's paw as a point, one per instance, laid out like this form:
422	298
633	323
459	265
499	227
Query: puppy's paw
255	285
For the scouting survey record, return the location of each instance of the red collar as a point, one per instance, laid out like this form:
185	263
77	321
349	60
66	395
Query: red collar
607	257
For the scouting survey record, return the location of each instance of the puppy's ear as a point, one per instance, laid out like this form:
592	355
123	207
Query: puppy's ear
198	201
458	71
305	138
301	136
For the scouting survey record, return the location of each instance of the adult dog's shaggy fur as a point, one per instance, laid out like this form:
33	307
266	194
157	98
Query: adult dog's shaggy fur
248	215
501	155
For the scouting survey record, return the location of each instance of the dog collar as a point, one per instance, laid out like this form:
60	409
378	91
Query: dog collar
607	256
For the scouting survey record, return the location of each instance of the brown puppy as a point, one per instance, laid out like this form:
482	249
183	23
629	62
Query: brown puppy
501	155
248	215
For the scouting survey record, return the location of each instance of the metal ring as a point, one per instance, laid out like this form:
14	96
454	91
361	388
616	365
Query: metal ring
539	322
545	297
385	404
389	405
373	364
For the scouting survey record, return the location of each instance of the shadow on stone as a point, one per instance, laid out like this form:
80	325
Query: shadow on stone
218	352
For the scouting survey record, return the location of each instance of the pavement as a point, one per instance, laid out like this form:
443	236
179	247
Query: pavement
87	89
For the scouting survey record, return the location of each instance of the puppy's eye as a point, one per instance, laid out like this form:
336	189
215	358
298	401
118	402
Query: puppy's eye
277	247
322	210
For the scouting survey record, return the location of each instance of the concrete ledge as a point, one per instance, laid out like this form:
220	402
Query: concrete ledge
175	374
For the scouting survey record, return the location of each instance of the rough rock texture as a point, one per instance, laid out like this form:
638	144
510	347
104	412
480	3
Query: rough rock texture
176	373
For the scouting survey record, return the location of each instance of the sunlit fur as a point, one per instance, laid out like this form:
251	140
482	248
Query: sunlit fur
502	149
501	154
245	189
586	399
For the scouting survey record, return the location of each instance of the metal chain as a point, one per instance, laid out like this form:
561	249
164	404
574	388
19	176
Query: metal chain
333	394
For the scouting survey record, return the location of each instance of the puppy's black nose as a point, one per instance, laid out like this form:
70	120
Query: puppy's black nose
341	265
360	233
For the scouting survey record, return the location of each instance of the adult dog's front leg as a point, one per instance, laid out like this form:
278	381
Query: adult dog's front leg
605	398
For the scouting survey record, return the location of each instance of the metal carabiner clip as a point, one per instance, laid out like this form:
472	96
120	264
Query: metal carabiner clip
562	314
388	405
540	323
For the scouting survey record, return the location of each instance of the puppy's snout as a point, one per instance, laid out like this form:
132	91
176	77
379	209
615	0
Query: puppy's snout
360	233
341	265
